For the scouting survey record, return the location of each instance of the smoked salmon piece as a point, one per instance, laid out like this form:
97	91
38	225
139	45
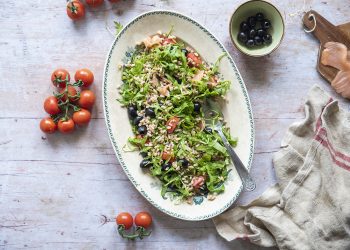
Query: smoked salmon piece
337	56
341	83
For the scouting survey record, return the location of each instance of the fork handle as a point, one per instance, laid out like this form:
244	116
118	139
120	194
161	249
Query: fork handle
248	182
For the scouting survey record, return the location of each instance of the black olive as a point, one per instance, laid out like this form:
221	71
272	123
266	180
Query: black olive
132	111
178	80
259	16
144	154
208	130
204	189
261	32
197	107
250	43
266	24
267	39
185	51
252	33
145	163
183	162
252	21
166	166
150	112
258	41
244	26
137	120
142	130
242	37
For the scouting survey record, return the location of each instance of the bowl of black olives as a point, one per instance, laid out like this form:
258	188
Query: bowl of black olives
256	28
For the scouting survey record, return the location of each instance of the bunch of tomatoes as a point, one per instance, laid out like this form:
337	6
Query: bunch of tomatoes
143	220
68	107
76	8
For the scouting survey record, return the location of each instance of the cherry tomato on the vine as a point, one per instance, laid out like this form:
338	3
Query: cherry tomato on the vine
65	126
59	76
47	125
72	94
124	219
87	99
85	75
75	9
51	105
143	219
94	3
82	117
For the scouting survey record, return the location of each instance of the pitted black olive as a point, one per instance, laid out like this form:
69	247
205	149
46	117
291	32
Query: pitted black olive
132	111
183	162
197	107
142	130
166	166
145	163
137	120
150	112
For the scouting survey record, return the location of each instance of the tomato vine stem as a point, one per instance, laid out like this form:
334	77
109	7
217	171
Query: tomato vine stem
66	101
140	233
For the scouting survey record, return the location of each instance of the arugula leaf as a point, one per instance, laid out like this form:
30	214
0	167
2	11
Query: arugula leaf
118	27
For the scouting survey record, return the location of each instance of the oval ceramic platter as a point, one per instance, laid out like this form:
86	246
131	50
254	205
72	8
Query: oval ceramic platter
237	111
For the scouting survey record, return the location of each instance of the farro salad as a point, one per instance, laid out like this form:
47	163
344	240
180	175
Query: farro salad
164	85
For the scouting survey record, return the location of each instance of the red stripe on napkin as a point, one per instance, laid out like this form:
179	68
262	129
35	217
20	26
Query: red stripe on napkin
321	136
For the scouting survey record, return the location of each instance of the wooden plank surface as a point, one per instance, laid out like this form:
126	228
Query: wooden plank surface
62	192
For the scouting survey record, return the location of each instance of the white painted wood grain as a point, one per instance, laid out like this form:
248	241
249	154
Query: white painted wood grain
62	192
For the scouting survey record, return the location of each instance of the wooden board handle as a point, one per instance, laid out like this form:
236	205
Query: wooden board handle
324	30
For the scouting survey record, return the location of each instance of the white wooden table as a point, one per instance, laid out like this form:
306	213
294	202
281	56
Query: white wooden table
63	192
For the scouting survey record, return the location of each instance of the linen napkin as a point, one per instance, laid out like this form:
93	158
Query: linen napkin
309	208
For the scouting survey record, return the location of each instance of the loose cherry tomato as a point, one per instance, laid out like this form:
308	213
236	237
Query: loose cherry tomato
87	99
82	117
59	77
172	123
72	92
75	9
51	105
85	75
124	219
47	125
94	3
193	59
143	219
65	127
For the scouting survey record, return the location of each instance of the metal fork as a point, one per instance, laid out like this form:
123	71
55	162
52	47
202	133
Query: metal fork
209	108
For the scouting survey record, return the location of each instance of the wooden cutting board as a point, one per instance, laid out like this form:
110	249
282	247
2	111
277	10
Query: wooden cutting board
327	32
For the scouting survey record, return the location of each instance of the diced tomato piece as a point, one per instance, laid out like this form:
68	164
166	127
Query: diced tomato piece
168	156
172	123
193	60
197	181
167	41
